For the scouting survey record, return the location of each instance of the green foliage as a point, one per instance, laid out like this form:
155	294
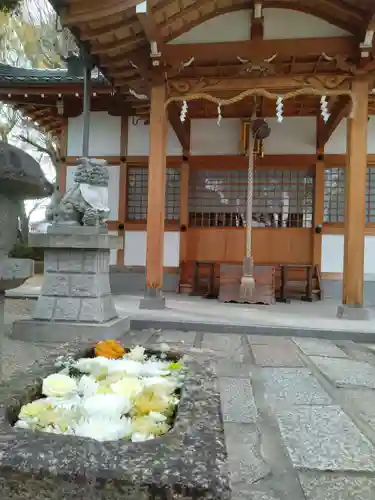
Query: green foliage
24	251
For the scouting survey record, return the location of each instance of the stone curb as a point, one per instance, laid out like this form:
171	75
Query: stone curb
282	331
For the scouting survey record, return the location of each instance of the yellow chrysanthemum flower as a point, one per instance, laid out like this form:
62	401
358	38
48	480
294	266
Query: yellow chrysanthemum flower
34	409
148	401
147	425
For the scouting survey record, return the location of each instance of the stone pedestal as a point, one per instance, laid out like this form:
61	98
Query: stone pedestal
75	299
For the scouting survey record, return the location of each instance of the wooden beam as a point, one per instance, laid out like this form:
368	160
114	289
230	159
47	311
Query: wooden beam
261	49
257	21
341	110
85	11
149	25
183	86
182	130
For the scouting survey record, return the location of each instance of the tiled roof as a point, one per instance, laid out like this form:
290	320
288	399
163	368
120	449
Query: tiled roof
11	74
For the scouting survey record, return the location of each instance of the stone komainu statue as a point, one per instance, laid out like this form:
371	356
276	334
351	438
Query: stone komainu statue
86	203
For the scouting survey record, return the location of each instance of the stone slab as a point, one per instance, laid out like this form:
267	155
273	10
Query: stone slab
293	386
188	462
232	368
227	346
276	355
319	347
324	438
152	303
362	402
248	329
245	462
327	486
77	240
175	337
346	372
30	330
268	339
237	400
353	313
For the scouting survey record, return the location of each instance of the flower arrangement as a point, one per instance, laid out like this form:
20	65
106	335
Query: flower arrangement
117	394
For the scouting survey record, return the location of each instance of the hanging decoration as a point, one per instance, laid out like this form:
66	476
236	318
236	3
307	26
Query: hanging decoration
219	115
280	109
324	108
184	111
262	93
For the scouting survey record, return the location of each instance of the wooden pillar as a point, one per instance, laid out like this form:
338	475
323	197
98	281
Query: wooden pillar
355	203
123	190
63	150
184	209
318	212
156	200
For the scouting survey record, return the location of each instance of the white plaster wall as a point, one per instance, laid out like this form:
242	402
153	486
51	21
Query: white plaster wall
295	135
135	248
231	27
113	253
139	140
114	187
287	24
278	24
209	138
105	133
337	142
333	254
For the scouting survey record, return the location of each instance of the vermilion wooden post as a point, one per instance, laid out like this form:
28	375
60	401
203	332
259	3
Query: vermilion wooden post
156	201
355	204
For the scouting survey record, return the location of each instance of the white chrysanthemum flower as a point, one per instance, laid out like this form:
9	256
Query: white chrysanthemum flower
137	353
127	386
106	405
23	424
65	403
126	366
104	428
58	385
167	384
138	437
87	386
93	366
154	368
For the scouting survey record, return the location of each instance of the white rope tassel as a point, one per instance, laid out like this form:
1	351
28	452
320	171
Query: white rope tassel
184	111
324	108
219	115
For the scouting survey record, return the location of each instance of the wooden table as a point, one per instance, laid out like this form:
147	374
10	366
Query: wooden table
284	281
211	279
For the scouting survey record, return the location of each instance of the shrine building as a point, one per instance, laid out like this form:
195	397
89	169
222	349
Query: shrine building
174	93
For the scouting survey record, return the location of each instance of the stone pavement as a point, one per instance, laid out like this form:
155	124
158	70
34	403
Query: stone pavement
299	414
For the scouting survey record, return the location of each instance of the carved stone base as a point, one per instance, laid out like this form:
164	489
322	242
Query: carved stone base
75	287
58	332
353	313
153	299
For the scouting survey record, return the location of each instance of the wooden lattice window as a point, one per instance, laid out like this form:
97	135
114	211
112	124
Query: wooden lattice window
281	198
334	194
138	191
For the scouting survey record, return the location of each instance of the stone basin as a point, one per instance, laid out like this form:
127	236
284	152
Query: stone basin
187	463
